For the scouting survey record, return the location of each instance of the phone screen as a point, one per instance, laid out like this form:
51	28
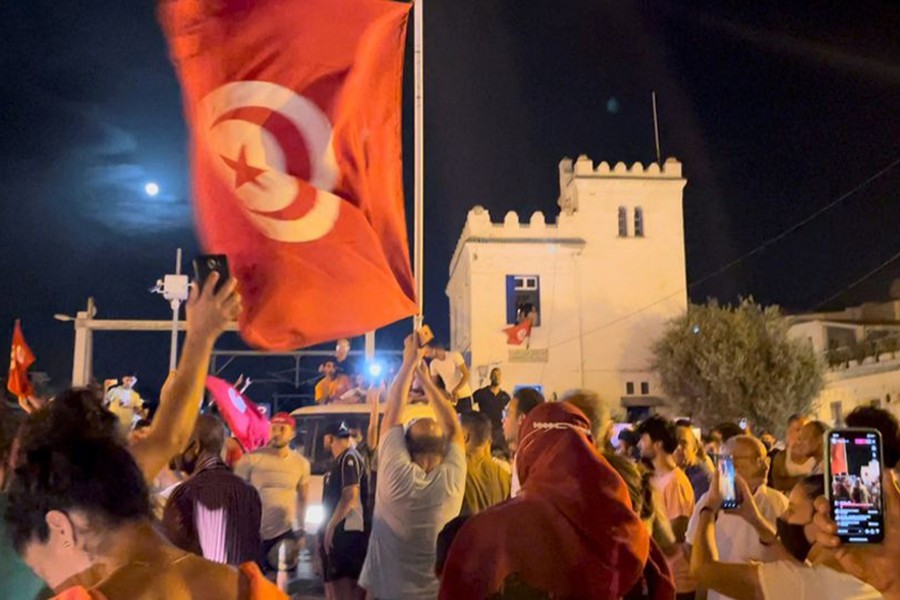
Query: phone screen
727	489
855	465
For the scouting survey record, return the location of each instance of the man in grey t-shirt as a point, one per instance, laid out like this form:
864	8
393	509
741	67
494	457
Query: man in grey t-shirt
421	481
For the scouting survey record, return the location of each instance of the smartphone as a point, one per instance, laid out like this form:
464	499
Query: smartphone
727	487
426	336
206	264
854	465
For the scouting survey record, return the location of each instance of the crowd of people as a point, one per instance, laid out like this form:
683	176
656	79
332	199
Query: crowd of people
473	495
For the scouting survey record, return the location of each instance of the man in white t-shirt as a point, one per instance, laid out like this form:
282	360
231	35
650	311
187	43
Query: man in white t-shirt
421	481
742	538
807	571
124	402
281	476
450	368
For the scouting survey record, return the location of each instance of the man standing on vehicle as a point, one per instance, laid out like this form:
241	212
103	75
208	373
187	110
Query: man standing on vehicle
281	476
450	369
124	402
345	492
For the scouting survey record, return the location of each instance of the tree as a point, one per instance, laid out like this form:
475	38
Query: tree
727	363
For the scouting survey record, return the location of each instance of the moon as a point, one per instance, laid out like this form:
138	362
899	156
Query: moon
151	189
260	126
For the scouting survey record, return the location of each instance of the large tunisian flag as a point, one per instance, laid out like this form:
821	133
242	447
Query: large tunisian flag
294	113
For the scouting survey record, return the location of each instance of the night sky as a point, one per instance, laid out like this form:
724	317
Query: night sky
775	112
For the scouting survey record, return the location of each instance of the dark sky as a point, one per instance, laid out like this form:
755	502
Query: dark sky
775	111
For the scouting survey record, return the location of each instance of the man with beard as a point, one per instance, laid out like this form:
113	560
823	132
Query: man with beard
214	513
658	444
281	476
491	401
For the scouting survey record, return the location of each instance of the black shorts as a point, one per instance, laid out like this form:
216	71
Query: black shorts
464	404
347	556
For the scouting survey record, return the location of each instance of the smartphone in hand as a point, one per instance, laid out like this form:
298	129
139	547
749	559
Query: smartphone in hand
727	487
854	468
206	264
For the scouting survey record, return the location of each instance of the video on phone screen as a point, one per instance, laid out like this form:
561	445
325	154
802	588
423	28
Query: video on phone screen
726	482
856	485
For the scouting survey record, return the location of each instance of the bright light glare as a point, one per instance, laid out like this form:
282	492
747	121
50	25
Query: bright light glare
375	369
152	189
315	515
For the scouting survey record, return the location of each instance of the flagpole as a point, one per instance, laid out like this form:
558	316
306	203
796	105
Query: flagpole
419	162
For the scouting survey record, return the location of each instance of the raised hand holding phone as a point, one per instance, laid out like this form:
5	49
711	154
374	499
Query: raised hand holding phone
727	489
854	469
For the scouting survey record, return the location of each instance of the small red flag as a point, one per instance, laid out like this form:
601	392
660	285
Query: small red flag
21	357
247	424
294	112
518	333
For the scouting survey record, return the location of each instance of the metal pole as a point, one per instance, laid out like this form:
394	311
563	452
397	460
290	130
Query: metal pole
370	345
419	160
173	349
656	131
82	348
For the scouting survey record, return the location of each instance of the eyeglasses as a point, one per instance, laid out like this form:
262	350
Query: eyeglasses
750	458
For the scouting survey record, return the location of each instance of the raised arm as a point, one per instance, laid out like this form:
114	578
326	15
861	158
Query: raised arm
464	380
208	313
740	581
373	396
398	395
443	410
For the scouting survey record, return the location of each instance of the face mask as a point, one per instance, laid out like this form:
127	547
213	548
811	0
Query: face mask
793	538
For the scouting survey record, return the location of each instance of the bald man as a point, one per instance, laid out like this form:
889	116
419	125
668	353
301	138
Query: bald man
214	513
743	535
421	481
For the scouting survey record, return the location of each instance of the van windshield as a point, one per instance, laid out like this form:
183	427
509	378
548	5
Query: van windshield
311	434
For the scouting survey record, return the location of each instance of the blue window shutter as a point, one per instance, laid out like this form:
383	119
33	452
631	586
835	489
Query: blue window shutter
510	300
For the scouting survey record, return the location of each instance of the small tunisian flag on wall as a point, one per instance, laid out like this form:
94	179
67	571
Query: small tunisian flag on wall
517	334
21	357
294	112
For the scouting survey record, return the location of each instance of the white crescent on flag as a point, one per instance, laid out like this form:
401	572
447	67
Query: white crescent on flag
255	159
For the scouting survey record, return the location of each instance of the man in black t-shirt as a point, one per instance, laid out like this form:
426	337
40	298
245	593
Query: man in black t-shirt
491	400
346	537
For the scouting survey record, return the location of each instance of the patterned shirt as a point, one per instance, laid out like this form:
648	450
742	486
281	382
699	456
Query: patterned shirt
215	514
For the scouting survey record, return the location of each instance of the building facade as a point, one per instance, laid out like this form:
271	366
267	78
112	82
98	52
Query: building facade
601	281
861	349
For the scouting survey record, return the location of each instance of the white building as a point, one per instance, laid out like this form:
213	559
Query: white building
604	279
861	348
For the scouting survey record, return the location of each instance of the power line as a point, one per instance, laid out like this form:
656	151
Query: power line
797	225
858	281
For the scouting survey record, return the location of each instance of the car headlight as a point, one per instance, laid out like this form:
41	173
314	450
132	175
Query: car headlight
315	514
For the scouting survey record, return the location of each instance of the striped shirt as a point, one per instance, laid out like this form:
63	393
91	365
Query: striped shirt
215	514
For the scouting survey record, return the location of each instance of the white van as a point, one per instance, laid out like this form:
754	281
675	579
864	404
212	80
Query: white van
311	424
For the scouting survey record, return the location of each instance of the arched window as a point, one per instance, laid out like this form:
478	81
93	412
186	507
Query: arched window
639	222
623	222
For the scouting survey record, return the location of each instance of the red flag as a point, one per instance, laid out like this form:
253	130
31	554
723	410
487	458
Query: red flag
517	333
21	357
247	424
294	113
